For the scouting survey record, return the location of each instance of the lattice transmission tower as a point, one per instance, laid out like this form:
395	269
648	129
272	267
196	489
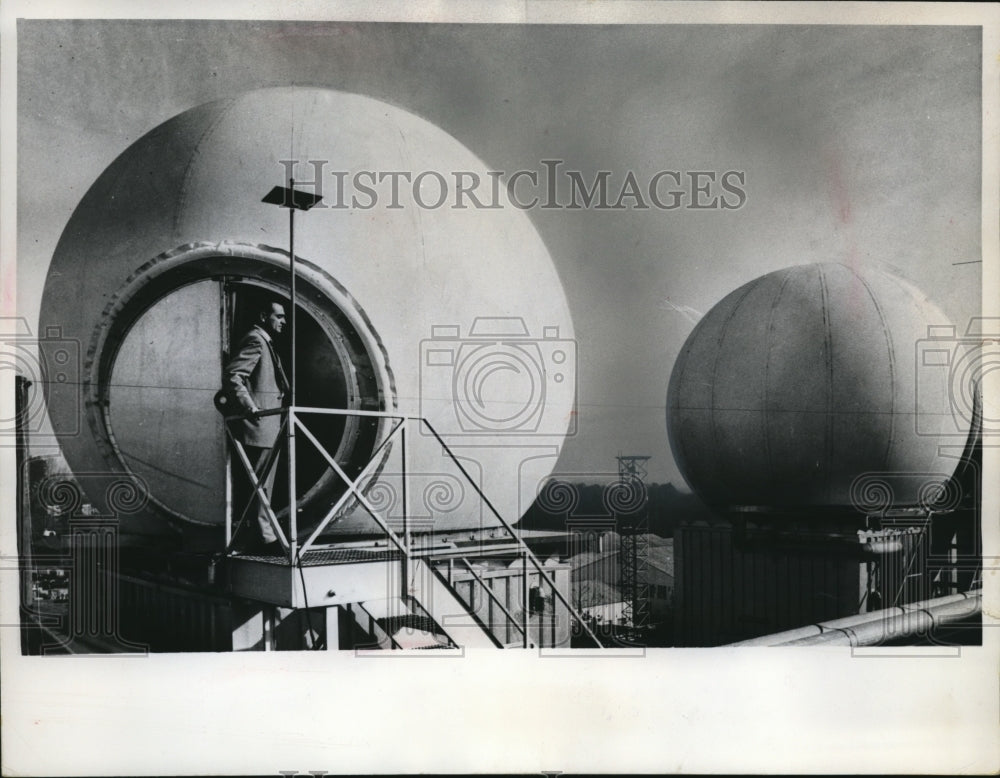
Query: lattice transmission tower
633	528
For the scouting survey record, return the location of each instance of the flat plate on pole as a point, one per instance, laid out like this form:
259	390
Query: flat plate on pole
291	198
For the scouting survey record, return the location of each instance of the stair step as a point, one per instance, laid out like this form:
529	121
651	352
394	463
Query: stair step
408	621
420	640
447	609
389	607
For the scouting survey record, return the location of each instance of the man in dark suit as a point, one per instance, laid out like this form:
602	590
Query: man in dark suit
255	382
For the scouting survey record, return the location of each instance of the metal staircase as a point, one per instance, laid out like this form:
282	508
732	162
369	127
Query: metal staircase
450	611
394	624
397	595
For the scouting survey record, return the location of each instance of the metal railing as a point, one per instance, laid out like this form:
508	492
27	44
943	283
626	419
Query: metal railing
493	597
292	423
479	591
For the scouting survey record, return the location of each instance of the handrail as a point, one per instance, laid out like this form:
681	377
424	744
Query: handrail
351	488
270	462
375	627
492	595
290	413
330	412
289	545
528	554
261	494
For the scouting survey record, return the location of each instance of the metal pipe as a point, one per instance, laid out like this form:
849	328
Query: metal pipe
351	412
291	266
335	412
293	530
292	507
940	610
898	625
847	622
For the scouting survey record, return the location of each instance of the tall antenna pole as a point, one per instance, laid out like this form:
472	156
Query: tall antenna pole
292	480
291	255
290	199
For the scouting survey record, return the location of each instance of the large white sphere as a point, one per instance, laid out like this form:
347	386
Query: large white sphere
807	387
390	298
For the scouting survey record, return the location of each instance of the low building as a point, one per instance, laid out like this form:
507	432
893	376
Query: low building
595	578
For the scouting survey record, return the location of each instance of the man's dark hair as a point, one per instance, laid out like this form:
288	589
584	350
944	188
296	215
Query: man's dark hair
267	305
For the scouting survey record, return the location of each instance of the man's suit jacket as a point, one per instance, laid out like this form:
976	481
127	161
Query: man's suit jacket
255	381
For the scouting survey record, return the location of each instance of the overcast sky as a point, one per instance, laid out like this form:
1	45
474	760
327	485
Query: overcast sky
858	145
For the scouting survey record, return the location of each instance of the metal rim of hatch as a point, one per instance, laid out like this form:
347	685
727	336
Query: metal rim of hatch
341	318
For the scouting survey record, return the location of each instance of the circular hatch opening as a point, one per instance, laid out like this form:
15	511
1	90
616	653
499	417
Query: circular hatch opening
159	357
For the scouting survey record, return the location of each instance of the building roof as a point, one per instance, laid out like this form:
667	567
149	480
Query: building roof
592	592
659	555
586	557
662	558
